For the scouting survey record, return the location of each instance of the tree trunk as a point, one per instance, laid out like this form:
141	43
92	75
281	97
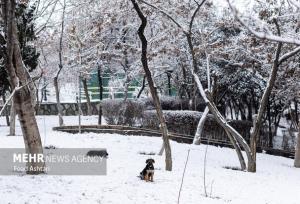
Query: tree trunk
270	138
223	123
237	138
296	110
263	104
163	125
297	152
23	97
142	88
59	108
126	87
12	127
249	117
238	150
200	127
100	94
60	67
87	96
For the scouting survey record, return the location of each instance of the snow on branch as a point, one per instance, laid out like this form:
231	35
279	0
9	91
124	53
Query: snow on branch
166	14
262	35
288	55
17	88
295	3
194	14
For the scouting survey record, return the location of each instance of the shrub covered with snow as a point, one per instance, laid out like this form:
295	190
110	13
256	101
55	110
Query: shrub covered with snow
130	112
171	103
120	112
185	122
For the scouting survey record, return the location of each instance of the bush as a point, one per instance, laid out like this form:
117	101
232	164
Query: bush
173	103
131	113
184	122
119	112
167	103
111	109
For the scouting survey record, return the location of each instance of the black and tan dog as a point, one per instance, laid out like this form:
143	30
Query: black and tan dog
148	172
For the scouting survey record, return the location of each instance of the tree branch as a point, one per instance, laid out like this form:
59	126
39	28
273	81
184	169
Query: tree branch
167	15
286	56
194	14
262	35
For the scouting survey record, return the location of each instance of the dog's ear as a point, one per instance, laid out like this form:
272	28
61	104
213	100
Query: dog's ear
153	161
147	161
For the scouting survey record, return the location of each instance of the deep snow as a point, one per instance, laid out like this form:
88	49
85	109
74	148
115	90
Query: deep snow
276	181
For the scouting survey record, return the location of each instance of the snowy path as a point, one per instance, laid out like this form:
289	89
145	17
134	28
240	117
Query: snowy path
276	181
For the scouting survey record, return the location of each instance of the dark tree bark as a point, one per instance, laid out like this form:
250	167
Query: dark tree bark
87	96
249	106
142	88
296	110
163	125
24	89
100	84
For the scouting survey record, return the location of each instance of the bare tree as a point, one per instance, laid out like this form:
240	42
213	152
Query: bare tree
233	135
163	125
200	127
278	60
21	84
60	67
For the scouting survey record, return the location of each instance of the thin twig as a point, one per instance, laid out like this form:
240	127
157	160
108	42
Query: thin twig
204	170
187	158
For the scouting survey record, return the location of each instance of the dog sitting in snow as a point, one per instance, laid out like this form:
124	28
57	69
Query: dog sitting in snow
148	172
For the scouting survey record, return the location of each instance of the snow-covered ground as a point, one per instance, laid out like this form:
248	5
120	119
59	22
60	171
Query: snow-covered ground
276	181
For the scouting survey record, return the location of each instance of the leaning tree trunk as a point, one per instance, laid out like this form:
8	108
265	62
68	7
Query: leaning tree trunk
87	96
233	135
297	153
142	88
163	125
200	127
262	107
20	82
